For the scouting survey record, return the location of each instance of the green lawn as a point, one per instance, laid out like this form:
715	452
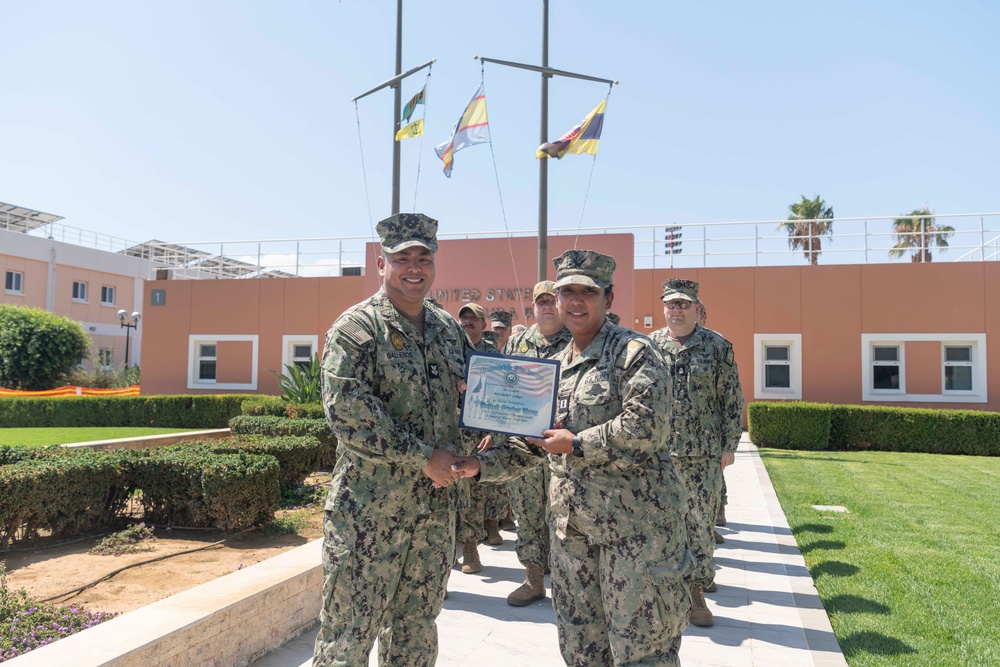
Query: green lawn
42	437
911	575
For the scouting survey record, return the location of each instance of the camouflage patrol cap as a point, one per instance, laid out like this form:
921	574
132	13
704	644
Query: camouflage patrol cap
584	267
678	289
405	230
501	317
476	309
544	287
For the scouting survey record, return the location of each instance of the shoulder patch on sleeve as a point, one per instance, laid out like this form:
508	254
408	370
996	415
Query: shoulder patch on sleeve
631	352
729	357
353	332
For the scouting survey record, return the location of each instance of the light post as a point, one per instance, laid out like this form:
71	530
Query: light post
128	323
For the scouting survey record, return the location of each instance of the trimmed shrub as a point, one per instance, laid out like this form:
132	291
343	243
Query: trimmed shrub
298	456
789	425
181	411
282	426
38	349
275	406
65	495
194	486
882	428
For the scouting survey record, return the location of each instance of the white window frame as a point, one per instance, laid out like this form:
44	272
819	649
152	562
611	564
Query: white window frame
288	343
17	282
794	343
900	362
110	353
106	290
82	289
977	341
194	343
969	364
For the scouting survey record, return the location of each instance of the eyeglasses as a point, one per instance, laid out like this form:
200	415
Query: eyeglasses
674	305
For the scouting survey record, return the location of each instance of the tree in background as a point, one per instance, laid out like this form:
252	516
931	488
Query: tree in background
810	219
916	233
38	349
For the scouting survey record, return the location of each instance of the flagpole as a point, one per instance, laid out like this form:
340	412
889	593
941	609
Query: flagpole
543	176
543	165
396	107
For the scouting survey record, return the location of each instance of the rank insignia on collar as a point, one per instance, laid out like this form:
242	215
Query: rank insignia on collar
397	340
435	370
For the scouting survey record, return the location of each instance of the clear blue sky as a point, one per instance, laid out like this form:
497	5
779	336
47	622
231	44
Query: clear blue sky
205	120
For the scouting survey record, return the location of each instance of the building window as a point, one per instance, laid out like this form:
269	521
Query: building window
961	357
302	355
298	350
213	362
777	366
107	295
79	291
206	362
14	282
958	368
105	358
887	365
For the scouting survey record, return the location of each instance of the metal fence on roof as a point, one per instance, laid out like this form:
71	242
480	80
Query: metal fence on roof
670	244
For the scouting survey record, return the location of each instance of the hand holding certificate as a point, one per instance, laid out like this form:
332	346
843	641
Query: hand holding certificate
512	395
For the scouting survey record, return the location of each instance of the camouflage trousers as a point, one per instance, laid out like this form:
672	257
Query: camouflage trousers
624	602
384	575
529	498
702	477
725	494
480	503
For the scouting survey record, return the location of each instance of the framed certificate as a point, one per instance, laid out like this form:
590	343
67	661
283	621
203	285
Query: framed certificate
512	395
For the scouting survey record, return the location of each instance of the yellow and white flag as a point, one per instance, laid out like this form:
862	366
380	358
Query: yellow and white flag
414	129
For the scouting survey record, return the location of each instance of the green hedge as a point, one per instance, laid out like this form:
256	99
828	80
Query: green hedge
298	456
275	406
63	495
67	493
182	411
789	425
193	486
282	426
795	425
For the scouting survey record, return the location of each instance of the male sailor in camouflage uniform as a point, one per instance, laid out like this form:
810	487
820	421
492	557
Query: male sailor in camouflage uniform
501	320
705	423
529	494
472	516
391	372
619	556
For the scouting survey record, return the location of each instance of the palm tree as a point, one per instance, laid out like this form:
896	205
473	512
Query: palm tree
810	219
917	232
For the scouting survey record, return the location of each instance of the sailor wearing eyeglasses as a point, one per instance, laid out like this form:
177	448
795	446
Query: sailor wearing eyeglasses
705	423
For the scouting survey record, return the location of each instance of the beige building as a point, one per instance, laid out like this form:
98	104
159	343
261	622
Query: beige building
66	278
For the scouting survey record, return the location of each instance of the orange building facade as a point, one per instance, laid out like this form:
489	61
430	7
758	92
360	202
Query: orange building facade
881	334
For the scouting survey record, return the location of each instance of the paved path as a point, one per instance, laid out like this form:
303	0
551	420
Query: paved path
767	611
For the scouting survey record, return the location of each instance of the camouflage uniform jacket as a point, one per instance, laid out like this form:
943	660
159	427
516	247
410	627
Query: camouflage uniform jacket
531	343
706	417
391	398
614	396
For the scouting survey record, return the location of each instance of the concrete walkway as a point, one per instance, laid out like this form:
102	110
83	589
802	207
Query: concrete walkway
767	611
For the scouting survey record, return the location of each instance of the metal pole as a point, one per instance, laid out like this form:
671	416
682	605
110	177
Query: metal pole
543	165
396	107
128	330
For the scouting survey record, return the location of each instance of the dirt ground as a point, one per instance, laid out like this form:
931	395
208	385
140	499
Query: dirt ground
46	572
